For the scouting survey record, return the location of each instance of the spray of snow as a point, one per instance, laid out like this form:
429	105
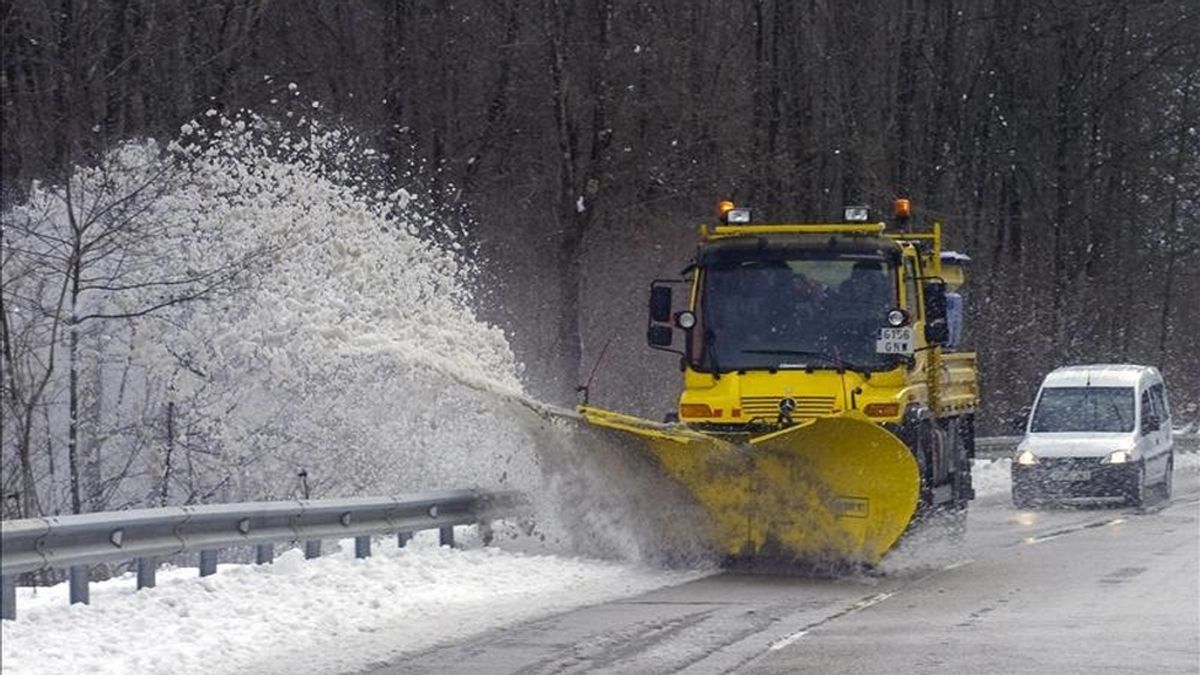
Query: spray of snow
345	346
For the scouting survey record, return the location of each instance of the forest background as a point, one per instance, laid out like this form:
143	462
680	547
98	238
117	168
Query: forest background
571	148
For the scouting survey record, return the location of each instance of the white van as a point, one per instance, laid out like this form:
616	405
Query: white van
1095	431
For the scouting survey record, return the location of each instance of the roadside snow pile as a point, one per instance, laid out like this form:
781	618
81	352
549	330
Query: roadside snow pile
991	476
333	614
1187	461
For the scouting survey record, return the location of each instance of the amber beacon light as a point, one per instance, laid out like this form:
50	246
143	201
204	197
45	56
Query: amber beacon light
733	215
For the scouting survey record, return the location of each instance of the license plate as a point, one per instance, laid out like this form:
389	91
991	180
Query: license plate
895	341
1070	475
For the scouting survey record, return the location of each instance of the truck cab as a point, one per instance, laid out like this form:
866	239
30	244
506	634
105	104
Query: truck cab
788	323
825	410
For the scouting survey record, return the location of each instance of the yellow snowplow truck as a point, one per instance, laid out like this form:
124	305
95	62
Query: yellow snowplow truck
825	407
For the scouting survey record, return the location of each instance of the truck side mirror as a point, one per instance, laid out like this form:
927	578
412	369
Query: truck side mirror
660	330
660	304
937	328
659	336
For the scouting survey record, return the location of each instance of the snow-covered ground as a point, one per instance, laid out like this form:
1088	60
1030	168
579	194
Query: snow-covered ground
334	614
991	476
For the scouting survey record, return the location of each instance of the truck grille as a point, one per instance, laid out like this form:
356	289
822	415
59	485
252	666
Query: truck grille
768	406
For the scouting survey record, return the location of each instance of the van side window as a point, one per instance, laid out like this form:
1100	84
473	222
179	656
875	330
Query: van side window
1147	412
1159	395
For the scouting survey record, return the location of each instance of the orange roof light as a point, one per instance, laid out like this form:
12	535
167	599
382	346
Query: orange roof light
903	208
724	207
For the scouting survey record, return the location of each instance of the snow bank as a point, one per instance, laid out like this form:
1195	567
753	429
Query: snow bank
333	614
992	476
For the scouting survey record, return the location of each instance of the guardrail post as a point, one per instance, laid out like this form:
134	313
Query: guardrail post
146	567
208	562
362	547
312	549
79	584
8	597
264	553
446	536
402	539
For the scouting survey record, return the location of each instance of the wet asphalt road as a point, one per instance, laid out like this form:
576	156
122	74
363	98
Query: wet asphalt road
1060	590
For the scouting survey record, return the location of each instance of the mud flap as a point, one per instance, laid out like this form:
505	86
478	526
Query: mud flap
831	490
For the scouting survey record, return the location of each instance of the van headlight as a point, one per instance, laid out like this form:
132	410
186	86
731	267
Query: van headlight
1118	457
1026	457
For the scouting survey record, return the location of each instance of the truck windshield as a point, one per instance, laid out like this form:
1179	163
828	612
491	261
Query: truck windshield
816	311
1065	409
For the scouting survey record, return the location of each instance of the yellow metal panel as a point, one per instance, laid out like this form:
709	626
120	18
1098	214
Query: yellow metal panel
837	488
728	231
830	489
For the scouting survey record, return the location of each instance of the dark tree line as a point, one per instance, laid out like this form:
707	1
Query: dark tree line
580	142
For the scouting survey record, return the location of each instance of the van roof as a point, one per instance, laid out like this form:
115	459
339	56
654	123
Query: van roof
1099	375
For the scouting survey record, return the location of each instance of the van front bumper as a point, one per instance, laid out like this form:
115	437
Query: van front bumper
1075	477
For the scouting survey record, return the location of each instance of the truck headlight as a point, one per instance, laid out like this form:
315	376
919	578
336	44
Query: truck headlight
1026	457
1118	457
856	214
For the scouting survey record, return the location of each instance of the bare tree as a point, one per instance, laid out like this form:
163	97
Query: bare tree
91	252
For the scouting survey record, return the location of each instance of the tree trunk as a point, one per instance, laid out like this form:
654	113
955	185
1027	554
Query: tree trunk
165	491
73	388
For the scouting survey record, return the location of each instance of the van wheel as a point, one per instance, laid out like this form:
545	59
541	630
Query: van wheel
1137	492
1168	477
1023	497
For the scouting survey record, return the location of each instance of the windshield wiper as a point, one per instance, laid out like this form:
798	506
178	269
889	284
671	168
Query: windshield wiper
709	351
840	363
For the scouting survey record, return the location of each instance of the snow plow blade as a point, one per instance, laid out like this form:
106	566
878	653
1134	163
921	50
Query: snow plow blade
830	491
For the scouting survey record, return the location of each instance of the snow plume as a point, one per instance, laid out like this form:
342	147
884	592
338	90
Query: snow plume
339	355
337	360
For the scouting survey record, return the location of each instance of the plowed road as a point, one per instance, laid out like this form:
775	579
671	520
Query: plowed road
1057	590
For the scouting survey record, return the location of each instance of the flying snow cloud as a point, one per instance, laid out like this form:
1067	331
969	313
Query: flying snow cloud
340	343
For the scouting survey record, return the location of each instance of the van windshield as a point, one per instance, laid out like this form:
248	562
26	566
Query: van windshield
1104	409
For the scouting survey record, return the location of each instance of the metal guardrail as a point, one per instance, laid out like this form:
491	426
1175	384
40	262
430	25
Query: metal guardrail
75	542
996	447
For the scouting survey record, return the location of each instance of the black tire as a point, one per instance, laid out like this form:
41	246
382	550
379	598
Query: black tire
1168	482
1136	497
1023	497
